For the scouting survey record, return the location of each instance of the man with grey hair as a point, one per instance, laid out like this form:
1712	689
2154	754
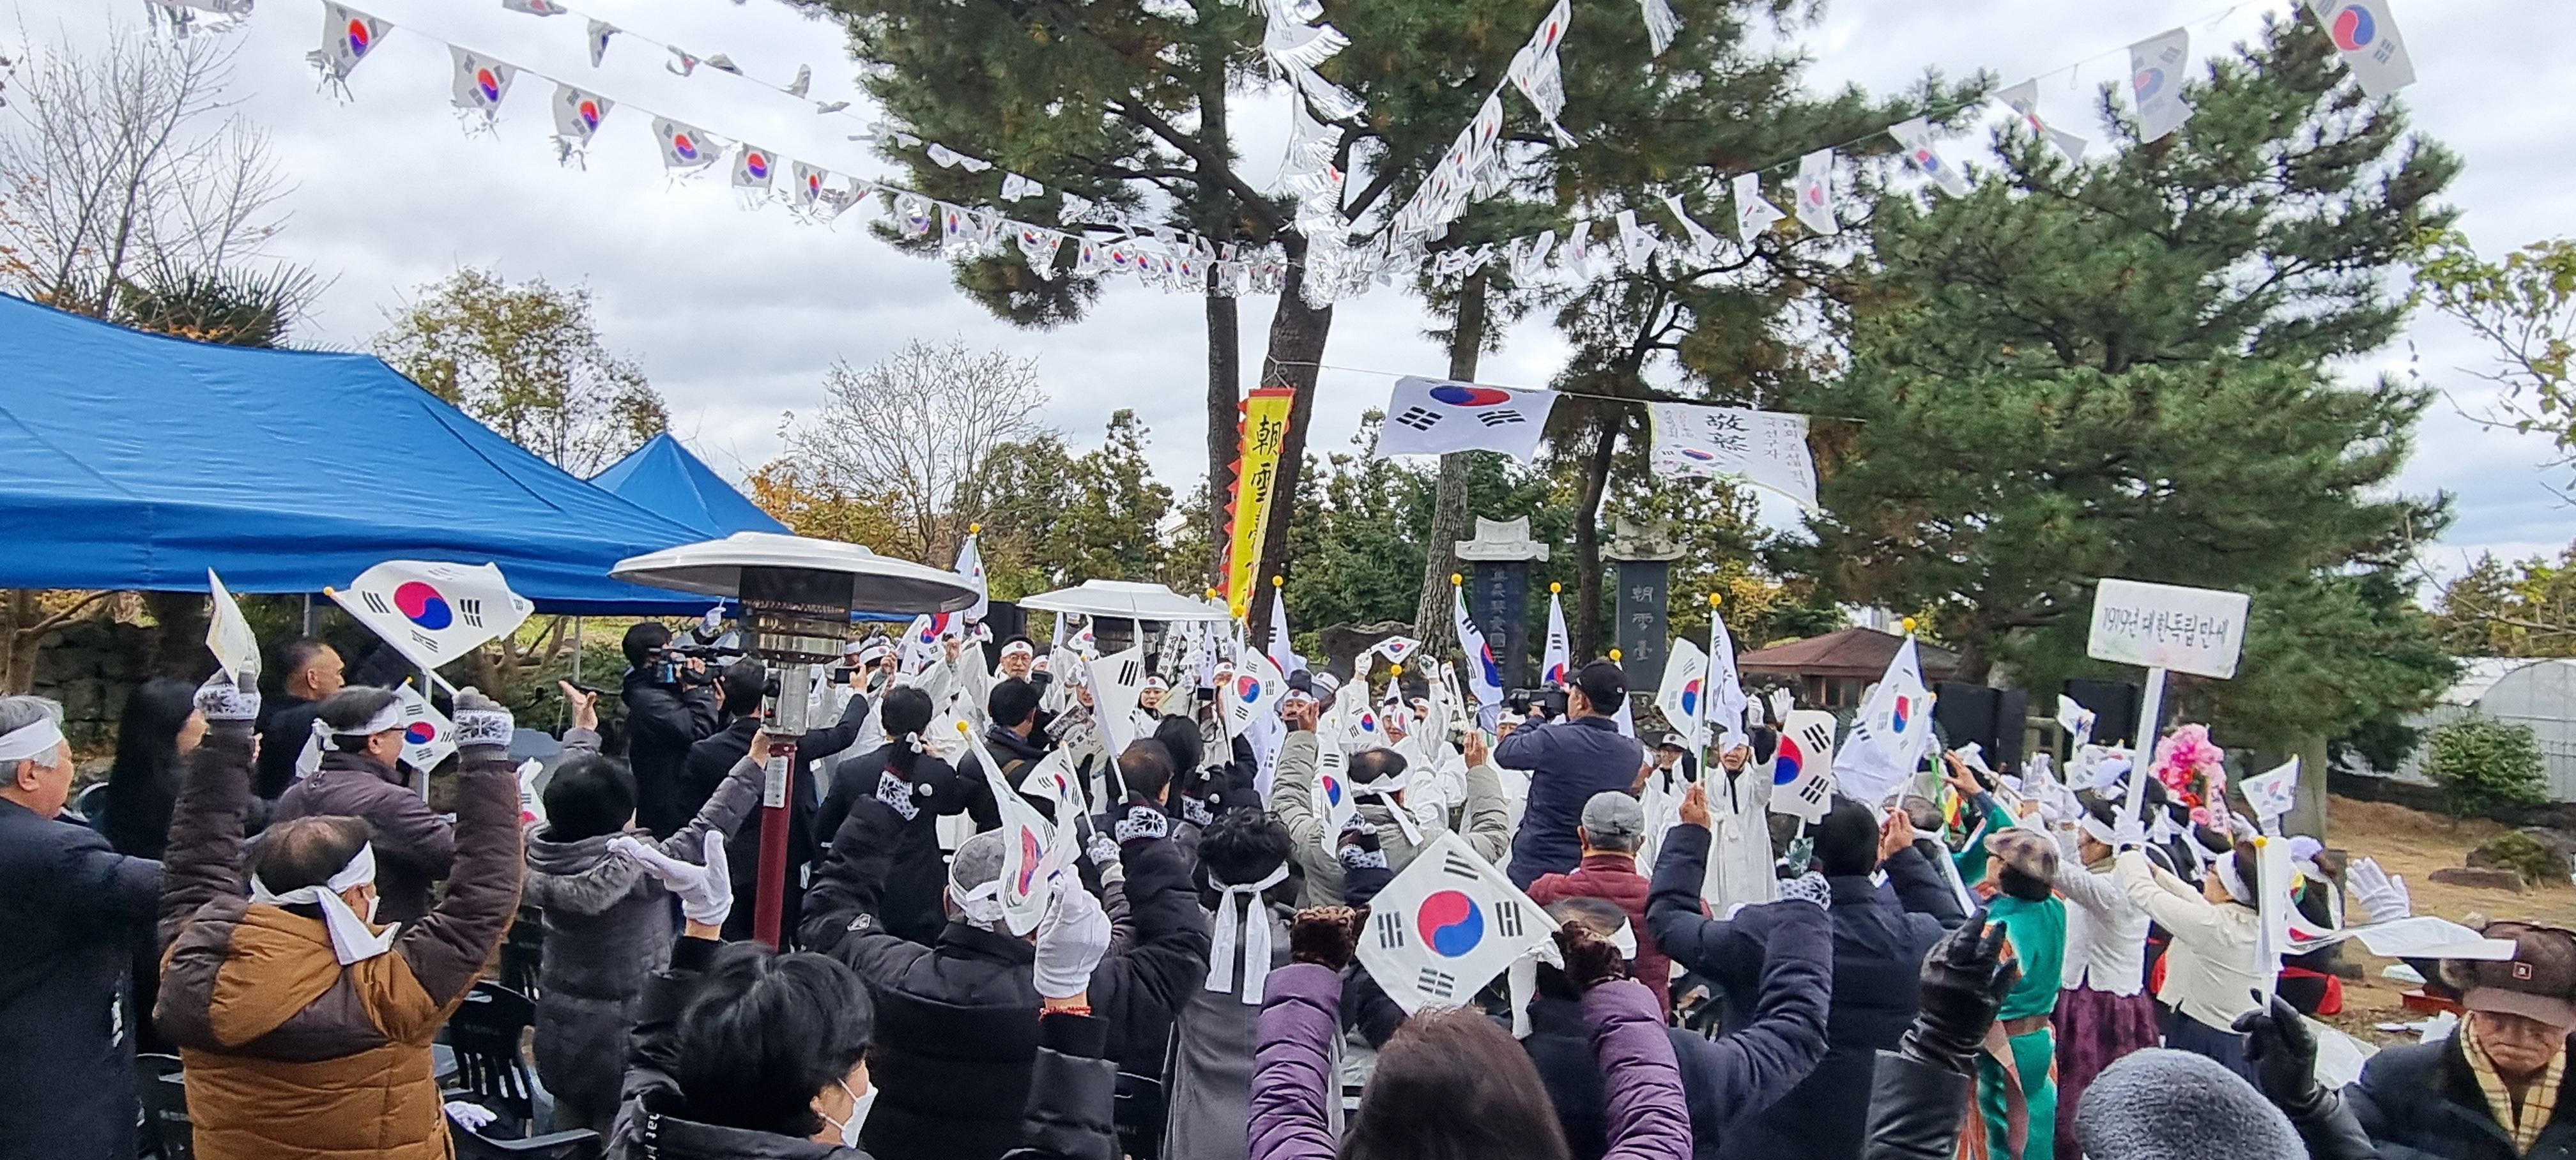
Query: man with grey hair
1613	826
74	909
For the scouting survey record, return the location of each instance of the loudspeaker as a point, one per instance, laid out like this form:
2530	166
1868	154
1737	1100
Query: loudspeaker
1965	713
1005	619
2115	706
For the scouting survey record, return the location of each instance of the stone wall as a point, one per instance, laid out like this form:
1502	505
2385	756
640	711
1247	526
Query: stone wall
92	666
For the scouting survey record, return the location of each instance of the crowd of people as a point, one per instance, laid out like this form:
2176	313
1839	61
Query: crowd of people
1992	966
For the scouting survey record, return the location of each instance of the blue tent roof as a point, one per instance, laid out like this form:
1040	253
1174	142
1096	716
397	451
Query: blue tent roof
663	478
133	460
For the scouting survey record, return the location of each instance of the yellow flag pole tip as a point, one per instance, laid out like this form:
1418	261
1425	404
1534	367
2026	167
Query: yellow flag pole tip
1713	598
1455	579
963	727
1395	670
1554	587
1276	581
974	529
1614	654
1909	624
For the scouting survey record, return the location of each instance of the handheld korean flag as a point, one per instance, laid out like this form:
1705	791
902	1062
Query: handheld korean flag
479	83
1437	416
1484	677
1282	652
2273	793
2077	720
2156	67
1053	778
433	612
348	35
970	565
228	633
1446	926
1684	691
1801	785
1892	732
1334	802
2364	33
1726	701
577	118
1764	448
1915	137
1556	663
683	146
1035	851
1815	191
428	736
1396	649
1253	692
1117	681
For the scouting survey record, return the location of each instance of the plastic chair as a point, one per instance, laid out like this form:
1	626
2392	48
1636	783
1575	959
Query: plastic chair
484	1036
166	1128
523	951
91	802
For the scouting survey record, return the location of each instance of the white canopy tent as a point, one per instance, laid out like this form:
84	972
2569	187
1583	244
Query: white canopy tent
1127	600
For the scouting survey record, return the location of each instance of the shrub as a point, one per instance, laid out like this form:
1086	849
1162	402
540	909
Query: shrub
2480	762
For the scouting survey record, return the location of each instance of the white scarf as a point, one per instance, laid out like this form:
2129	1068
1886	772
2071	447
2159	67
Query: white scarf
1255	926
1384	790
31	741
351	940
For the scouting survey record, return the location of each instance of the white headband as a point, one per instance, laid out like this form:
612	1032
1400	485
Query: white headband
31	741
1019	648
2225	866
390	717
351	941
1255	926
981	906
1384	789
2094	829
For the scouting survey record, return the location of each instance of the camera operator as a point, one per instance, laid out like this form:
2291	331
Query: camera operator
670	706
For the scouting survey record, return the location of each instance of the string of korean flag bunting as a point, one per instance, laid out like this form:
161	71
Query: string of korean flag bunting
1108	242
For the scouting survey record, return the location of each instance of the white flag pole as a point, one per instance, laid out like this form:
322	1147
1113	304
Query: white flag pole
2142	754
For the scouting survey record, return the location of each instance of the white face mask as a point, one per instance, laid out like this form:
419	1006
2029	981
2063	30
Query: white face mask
859	1105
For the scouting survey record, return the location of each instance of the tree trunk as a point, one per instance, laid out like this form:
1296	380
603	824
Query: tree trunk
1297	334
1585	633
1432	623
178	640
1224	388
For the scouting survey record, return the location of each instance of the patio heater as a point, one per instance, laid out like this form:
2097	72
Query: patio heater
796	597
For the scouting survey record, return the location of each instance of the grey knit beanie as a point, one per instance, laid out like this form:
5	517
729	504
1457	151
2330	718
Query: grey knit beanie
2158	1104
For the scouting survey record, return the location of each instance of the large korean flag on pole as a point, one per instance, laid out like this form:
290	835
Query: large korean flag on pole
1446	926
1436	416
2367	37
1763	448
433	612
1890	735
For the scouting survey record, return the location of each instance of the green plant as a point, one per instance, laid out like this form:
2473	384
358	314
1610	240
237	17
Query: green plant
2480	761
2523	854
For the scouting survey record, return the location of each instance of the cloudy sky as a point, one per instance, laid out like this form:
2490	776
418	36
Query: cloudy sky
737	314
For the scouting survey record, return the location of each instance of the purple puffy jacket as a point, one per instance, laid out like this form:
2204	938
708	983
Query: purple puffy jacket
1292	1075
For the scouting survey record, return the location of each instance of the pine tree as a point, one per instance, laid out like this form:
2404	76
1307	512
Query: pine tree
2120	368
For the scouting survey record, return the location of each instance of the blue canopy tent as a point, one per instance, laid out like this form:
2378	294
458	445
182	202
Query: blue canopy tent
662	477
138	461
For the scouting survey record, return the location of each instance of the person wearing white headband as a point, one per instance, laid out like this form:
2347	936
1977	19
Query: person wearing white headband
74	907
2104	1011
1246	859
358	771
305	1023
2213	968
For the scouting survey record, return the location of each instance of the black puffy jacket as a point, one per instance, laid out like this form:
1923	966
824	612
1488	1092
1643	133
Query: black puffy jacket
662	722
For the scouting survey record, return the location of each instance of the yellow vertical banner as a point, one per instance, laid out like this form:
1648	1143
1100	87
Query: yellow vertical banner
1258	438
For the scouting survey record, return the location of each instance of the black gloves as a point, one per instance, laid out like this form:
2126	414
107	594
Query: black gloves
2284	1053
1964	981
1326	936
1590	960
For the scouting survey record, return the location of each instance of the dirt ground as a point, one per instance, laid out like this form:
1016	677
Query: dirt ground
2412	844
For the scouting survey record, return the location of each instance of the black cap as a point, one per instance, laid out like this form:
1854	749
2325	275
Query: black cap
1603	683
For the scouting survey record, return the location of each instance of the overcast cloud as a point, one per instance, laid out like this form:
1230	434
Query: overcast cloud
735	315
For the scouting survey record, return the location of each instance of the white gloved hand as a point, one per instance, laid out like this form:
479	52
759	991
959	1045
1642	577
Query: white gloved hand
2128	834
2241	831
705	892
713	622
1072	939
1782	701
1752	713
471	1117
1809	887
484	726
221	700
2381	893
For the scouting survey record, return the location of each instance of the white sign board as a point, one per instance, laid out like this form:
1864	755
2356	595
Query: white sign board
2160	626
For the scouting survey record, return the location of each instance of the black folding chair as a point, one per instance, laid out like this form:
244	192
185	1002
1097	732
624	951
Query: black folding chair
523	951
166	1129
491	1071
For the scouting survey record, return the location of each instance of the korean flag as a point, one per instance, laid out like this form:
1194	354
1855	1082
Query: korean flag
1436	416
1446	926
428	736
433	612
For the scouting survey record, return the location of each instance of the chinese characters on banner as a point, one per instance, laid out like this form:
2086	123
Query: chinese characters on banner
1256	469
1763	448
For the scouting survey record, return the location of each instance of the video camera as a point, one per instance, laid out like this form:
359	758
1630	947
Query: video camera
671	664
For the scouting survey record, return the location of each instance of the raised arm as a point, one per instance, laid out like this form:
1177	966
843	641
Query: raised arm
1147	983
204	858
1489	815
1920	889
1674	914
1293	1080
842	909
1646	1116
448	949
2164	897
1771	1053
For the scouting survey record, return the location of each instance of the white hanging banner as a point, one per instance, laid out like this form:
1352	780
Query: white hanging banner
479	83
1815	192
753	167
1753	215
683	146
577	118
600	31
1534	70
348	35
2156	67
1702	242
1915	136
2366	35
1763	448
2023	99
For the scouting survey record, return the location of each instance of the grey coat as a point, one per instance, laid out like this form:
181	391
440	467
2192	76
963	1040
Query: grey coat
1211	1070
607	931
1488	821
